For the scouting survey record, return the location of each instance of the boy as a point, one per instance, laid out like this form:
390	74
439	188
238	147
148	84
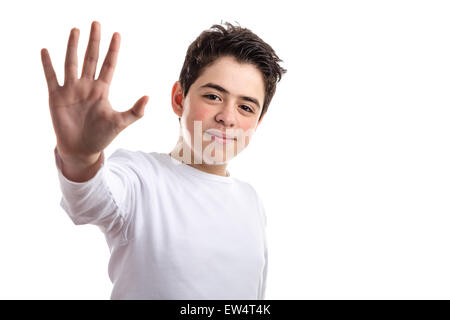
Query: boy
177	224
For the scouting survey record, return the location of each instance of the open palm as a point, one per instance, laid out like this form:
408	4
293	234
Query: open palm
82	117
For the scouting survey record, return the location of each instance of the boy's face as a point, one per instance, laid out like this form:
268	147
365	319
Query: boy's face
226	99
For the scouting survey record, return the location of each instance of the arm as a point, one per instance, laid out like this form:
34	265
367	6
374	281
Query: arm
104	199
262	211
83	119
79	171
85	124
264	276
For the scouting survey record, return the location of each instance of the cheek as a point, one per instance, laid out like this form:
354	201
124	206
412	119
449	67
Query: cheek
198	113
247	124
247	128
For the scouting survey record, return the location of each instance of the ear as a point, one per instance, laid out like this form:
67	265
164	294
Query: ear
177	99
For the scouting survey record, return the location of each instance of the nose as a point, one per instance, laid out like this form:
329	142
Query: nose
227	116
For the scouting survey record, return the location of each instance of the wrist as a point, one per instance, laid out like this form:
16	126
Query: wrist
79	161
79	169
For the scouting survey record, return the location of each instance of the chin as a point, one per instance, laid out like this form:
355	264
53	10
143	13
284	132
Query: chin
214	153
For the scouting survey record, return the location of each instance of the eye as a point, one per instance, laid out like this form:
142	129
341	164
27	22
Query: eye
211	95
248	108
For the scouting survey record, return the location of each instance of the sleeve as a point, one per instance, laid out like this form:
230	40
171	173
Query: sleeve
266	261
264	275
104	200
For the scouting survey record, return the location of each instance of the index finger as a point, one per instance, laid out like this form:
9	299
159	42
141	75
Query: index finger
107	71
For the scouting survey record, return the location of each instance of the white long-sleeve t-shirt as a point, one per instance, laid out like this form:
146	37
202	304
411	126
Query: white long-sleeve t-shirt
174	232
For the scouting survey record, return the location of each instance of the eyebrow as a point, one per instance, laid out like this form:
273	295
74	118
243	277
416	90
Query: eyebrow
221	89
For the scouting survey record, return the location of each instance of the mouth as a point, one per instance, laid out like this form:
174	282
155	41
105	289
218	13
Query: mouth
221	137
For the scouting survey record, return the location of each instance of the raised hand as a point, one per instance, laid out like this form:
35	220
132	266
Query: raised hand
83	119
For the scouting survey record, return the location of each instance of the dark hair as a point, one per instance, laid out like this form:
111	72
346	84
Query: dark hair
236	41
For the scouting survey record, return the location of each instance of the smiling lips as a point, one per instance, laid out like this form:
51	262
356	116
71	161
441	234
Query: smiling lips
221	137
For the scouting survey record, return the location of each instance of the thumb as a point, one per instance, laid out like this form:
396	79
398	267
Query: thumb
135	113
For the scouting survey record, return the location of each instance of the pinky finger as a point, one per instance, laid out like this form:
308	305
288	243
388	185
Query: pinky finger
50	75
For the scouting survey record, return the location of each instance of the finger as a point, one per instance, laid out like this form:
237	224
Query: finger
71	63
107	71
50	75
136	112
91	56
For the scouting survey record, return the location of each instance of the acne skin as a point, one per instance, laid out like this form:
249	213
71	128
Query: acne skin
226	99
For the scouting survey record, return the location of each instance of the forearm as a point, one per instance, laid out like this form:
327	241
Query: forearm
90	201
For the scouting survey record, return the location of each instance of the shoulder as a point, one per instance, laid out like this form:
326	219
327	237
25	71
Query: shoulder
148	164
136	158
247	186
251	190
122	154
258	201
139	171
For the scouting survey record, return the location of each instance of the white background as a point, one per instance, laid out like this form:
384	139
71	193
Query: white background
352	159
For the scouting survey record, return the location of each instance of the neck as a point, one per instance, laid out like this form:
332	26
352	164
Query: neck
188	159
